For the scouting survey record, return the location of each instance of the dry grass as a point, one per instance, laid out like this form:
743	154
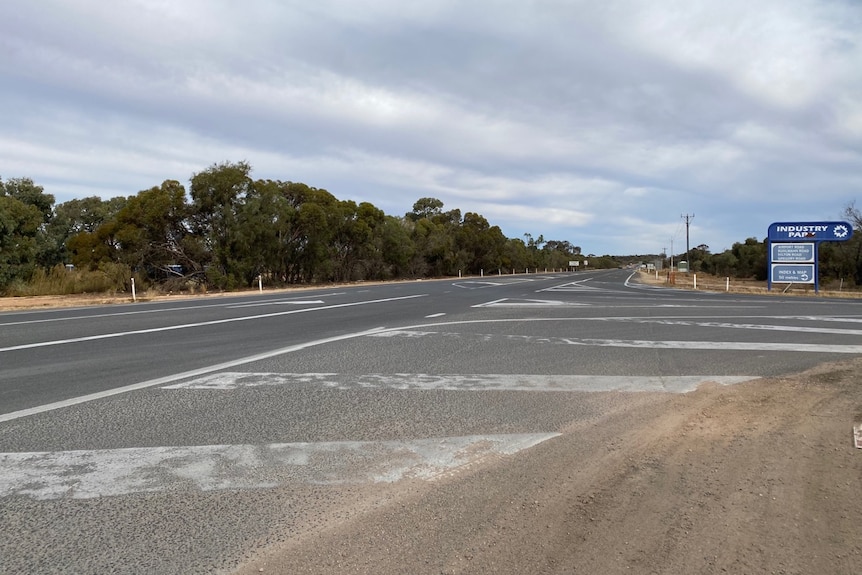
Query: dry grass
706	282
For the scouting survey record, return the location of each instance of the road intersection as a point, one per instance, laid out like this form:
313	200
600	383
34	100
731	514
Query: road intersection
284	396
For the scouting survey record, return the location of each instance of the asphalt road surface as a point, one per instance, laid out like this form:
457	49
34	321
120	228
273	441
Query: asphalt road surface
184	436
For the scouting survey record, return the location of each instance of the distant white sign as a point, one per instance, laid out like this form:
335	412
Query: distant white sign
574	264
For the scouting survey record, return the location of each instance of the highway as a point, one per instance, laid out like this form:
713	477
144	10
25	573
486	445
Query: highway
180	436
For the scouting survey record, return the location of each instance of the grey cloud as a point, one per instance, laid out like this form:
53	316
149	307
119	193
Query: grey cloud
557	106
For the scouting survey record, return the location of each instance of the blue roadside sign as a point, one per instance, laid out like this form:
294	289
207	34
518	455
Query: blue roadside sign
793	252
811	231
793	248
793	273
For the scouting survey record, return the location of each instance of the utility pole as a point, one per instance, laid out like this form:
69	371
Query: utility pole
687	219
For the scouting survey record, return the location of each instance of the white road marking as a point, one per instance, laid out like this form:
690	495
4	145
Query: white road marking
794	328
645	344
228	381
112	472
573	286
500	281
176	377
717	345
118	313
838	319
433	315
278	302
505	302
200	324
100	315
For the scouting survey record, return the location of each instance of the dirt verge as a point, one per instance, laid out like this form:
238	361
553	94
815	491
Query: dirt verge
760	477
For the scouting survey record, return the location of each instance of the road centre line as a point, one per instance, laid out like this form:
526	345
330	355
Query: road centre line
179	376
544	303
124	313
200	324
279	302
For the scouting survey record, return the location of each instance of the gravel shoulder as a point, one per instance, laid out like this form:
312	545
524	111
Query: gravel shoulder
760	477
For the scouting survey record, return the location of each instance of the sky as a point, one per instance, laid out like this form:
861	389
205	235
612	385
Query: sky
601	123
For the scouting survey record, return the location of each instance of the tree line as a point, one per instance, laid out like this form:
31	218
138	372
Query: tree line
227	230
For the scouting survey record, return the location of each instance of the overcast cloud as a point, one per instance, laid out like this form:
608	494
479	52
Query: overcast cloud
599	123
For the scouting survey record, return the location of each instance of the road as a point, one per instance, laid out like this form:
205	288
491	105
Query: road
184	436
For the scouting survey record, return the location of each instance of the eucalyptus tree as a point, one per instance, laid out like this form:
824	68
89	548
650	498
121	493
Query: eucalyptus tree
218	194
73	217
751	258
153	233
392	239
27	192
19	227
481	244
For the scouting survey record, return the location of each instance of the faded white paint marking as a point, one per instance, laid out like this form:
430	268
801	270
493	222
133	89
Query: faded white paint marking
171	378
100	473
433	315
455	382
404	333
715	345
728	325
645	344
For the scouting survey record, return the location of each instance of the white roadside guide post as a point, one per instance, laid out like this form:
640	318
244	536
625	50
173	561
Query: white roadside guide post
134	296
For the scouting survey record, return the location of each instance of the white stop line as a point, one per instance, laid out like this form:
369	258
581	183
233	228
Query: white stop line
112	472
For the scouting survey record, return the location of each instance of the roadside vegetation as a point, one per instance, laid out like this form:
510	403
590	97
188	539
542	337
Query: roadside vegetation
229	231
840	263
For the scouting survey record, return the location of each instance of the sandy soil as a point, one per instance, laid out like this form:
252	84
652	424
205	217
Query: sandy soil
761	477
